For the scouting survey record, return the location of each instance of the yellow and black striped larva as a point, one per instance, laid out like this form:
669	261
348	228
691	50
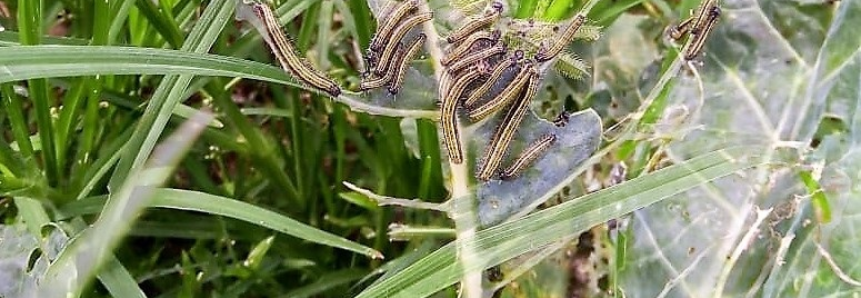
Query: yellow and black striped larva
448	115
286	53
505	97
445	82
477	23
475	57
560	42
502	67
680	30
370	82
391	21
700	34
704	14
391	45
698	27
528	156
487	37
498	144
400	68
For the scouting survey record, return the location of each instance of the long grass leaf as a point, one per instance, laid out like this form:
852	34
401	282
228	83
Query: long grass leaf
217	205
211	204
83	257
168	93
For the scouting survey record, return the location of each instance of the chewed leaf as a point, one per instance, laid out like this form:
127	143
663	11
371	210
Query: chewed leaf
15	249
20	273
576	139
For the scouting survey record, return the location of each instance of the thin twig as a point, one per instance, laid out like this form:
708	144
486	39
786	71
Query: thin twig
386	200
834	267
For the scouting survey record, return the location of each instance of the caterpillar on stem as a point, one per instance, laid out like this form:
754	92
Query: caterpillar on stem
286	53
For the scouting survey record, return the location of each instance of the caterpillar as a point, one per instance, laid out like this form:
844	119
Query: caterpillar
498	144
501	68
468	44
391	21
474	24
399	33
475	58
504	98
699	35
404	62
286	55
448	116
528	156
545	54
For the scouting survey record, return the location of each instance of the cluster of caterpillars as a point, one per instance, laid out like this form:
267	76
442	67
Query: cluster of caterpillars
389	55
483	76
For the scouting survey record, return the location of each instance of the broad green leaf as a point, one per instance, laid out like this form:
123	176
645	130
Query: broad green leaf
827	251
511	239
760	83
576	139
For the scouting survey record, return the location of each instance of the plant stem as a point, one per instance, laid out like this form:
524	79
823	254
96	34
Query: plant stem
30	25
463	203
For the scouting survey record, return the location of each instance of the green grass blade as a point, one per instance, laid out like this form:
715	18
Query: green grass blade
512	239
30	23
324	22
327	283
84	93
102	166
15	111
121	14
217	205
33	213
83	257
270	112
162	22
118	280
21	63
12	38
114	276
359	16
168	93
264	153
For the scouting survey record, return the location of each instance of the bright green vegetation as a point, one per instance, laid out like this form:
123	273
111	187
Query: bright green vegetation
155	149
